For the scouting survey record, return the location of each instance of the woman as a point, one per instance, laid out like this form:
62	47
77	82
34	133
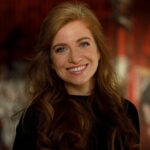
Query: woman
75	102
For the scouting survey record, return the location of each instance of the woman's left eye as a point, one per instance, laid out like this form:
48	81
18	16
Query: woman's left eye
84	44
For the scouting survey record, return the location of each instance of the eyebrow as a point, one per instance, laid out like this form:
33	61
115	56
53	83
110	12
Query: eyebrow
83	38
63	44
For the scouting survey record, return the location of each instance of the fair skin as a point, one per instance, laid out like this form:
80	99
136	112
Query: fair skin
75	57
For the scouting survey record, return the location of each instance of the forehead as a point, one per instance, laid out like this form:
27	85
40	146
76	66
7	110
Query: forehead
72	30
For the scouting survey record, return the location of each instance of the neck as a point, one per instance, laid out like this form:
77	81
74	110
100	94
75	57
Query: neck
83	90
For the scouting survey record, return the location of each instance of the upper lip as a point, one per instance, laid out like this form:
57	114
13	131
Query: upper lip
76	66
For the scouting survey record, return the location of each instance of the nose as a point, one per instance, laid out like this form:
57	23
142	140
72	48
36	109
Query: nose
74	56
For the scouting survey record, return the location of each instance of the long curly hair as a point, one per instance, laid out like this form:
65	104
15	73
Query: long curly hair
64	123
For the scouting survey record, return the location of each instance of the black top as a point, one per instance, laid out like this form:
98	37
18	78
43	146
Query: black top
26	137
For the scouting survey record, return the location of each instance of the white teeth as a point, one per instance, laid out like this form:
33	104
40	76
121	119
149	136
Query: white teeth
77	69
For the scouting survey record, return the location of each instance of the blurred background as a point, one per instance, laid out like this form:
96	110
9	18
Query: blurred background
126	24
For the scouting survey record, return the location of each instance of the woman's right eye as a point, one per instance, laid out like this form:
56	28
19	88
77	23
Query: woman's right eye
60	49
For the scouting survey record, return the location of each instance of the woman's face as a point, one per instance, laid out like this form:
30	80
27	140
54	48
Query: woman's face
75	57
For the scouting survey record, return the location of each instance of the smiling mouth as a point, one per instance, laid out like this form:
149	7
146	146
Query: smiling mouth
77	69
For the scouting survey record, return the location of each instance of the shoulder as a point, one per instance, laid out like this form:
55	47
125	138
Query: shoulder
130	108
132	113
29	120
26	131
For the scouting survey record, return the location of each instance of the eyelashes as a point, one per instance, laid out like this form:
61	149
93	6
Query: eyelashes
60	49
84	44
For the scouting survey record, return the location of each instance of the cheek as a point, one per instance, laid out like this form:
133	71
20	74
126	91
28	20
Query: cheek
95	55
57	62
98	55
